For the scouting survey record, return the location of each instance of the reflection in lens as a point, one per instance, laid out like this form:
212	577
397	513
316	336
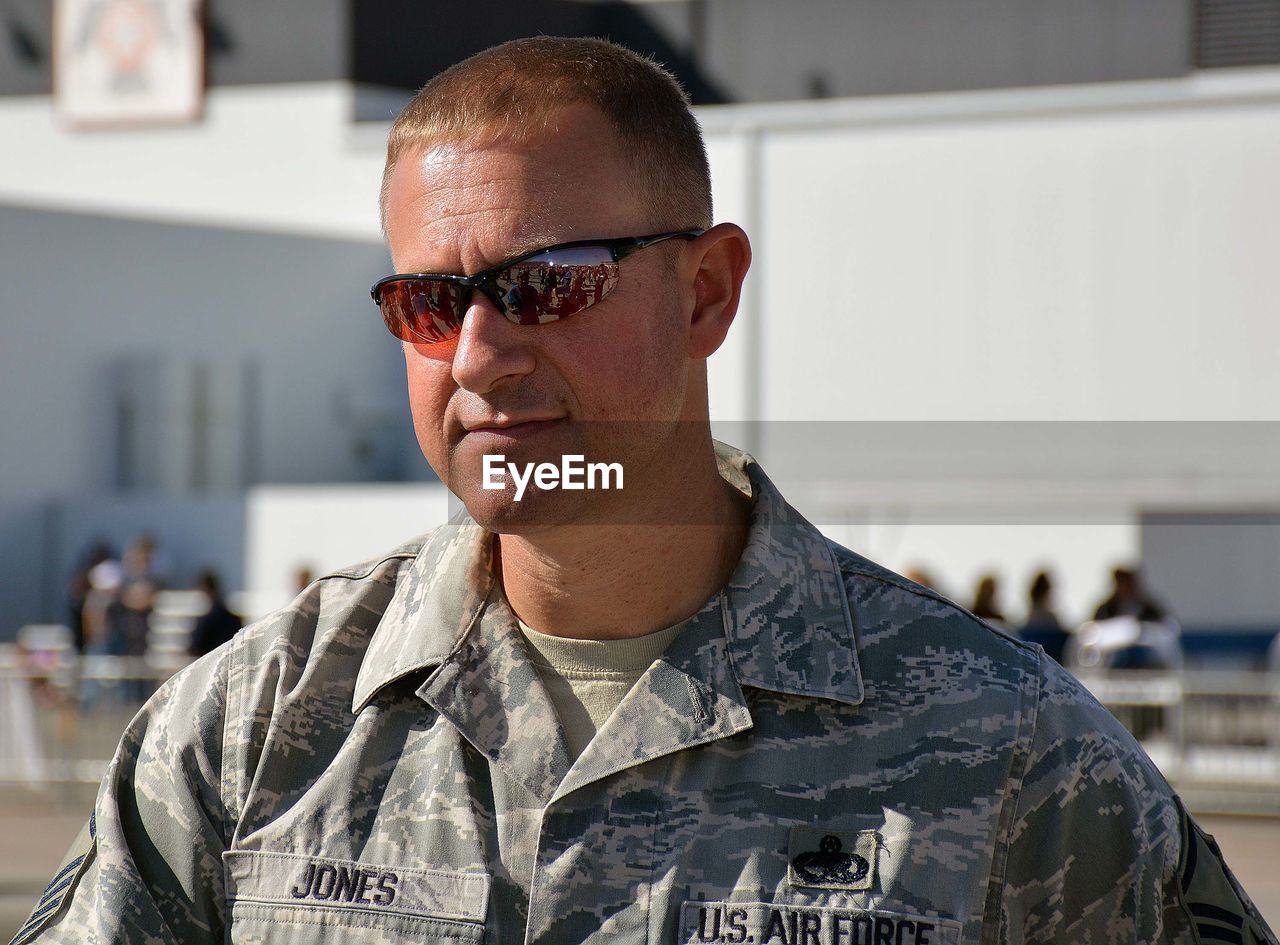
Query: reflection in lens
422	310
557	284
522	293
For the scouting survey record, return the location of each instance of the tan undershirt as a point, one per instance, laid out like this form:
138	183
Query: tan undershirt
586	679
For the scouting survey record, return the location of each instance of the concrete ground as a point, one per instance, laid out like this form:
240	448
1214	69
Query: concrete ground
36	828
35	831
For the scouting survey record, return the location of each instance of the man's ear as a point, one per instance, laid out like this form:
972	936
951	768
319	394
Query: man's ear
722	255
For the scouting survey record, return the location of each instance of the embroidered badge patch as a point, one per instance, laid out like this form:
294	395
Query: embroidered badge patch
832	859
763	923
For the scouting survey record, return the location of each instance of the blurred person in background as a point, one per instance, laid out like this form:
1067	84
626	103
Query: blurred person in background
1129	599
128	616
922	576
669	712
1133	631
216	625
302	578
78	588
104	585
986	604
1042	625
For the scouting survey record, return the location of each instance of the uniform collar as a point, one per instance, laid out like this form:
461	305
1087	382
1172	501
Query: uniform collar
787	610
432	609
786	617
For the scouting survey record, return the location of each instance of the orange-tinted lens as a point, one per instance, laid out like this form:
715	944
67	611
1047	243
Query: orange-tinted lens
421	310
557	284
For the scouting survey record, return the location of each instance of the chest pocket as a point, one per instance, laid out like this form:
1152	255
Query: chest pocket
292	899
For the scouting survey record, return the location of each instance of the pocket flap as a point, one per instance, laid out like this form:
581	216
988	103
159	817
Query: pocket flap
294	879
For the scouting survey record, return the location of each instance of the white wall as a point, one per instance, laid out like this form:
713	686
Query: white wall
279	158
958	550
1097	254
1087	253
324	528
1090	252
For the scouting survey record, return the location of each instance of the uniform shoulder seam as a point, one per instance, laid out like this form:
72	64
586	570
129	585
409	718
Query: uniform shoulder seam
362	569
852	563
227	716
264	630
884	576
1021	764
237	682
366	568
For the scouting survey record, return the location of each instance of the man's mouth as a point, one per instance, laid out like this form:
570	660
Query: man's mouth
512	427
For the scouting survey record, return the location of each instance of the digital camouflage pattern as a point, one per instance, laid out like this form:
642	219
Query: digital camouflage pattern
827	754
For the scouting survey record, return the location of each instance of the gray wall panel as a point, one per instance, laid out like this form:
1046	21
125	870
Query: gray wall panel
29	592
82	294
761	50
249	41
749	50
1216	570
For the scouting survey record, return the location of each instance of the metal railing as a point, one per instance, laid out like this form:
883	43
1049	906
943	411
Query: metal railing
60	719
1214	734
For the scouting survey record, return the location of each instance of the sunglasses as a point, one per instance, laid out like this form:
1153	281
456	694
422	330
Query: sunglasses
545	285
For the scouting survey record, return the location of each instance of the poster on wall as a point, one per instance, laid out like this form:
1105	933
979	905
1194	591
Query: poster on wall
128	62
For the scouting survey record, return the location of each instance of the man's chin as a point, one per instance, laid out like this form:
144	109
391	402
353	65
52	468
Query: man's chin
536	511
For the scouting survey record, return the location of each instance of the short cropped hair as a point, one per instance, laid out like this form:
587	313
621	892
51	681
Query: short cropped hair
512	92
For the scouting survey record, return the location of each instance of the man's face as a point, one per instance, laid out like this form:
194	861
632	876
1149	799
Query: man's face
609	383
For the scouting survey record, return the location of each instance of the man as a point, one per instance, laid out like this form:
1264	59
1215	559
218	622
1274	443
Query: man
669	712
1128	599
524	299
216	625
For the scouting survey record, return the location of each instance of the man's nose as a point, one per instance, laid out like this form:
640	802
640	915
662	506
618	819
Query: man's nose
491	350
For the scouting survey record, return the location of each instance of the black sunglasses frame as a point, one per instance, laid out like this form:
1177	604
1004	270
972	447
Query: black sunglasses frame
619	249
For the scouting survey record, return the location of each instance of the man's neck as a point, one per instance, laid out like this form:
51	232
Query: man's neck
616	581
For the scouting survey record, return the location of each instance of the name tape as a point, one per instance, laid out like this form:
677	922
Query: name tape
299	880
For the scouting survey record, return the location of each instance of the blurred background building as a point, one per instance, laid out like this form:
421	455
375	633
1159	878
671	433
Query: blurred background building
1013	310
1053	222
1013	307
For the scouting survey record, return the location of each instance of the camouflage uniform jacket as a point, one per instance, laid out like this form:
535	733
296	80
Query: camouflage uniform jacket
827	754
